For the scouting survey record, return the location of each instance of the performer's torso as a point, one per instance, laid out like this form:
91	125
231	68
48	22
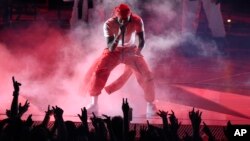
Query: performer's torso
135	25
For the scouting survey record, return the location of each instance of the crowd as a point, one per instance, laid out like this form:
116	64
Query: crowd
105	128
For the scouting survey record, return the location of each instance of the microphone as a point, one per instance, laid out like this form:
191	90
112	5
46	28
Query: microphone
123	29
123	35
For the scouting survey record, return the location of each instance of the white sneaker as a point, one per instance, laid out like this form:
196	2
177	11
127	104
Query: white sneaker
92	108
151	110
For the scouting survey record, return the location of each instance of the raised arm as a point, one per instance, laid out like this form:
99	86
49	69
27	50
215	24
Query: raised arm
62	133
46	119
14	104
125	109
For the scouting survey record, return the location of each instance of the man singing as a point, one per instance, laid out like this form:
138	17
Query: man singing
120	32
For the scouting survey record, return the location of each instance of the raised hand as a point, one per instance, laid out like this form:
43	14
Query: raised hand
195	117
175	125
16	85
46	119
228	130
24	108
125	106
29	121
125	109
208	132
164	118
59	122
149	125
58	112
14	104
162	114
94	120
49	111
83	117
107	119
143	132
99	126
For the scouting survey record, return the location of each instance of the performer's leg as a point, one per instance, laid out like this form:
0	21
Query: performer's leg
145	80
107	62
89	74
120	81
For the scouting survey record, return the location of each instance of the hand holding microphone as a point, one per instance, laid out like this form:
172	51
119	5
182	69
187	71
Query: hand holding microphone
122	30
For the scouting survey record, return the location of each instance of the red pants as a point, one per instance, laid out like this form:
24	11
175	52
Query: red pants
109	60
120	81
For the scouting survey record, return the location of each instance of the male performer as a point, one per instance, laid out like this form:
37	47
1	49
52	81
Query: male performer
120	32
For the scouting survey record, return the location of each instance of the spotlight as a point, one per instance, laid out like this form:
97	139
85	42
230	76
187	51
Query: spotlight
229	20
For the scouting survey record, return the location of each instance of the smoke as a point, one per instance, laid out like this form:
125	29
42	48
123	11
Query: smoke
51	63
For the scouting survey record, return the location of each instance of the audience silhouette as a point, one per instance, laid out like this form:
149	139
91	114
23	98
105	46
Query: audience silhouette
104	128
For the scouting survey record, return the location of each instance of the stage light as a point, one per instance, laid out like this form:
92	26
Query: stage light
229	20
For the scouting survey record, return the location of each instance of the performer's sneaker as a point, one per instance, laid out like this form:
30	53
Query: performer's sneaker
151	110
92	108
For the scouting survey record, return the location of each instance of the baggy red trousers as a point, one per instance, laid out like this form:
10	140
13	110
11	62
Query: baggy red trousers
126	55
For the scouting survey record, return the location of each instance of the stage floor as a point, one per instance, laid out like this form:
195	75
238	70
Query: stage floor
218	86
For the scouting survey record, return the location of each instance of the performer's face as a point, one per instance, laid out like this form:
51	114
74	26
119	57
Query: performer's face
123	19
123	16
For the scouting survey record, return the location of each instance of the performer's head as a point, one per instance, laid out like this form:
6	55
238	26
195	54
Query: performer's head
123	13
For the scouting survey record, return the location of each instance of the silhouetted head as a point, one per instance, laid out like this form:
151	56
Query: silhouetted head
117	124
